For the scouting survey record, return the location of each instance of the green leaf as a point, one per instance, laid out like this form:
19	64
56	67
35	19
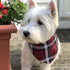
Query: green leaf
14	11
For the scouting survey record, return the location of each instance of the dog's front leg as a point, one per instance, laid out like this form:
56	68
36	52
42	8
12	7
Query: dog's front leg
45	66
26	58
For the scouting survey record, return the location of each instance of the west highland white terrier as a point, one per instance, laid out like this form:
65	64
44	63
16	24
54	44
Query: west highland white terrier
41	45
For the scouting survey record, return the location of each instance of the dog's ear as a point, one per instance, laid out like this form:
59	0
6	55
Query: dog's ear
31	4
53	7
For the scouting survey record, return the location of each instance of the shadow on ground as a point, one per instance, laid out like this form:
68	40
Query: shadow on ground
63	35
15	57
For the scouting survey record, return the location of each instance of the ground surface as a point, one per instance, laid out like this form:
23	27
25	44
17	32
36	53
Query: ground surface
64	59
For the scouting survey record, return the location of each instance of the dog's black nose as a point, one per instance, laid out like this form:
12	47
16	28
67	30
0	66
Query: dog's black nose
26	33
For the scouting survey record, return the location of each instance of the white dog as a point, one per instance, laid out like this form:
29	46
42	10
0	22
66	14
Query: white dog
41	45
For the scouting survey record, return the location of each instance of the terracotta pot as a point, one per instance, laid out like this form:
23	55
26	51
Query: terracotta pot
5	35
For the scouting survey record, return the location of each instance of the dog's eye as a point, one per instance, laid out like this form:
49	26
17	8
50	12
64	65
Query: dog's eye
28	20
40	22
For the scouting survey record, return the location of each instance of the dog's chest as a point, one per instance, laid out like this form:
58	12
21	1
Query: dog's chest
45	52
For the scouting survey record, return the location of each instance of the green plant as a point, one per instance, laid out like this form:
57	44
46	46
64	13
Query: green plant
15	11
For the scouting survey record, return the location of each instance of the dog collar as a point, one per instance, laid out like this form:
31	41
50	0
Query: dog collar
45	52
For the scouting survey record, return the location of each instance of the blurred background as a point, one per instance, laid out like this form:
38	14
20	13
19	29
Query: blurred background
63	32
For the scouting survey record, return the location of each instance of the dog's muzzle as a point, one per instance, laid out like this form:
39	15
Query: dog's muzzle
26	33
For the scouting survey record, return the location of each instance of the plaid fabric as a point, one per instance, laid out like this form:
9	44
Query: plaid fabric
45	52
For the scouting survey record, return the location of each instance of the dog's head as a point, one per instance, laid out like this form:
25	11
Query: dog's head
39	23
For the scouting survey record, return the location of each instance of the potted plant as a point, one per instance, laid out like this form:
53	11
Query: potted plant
9	12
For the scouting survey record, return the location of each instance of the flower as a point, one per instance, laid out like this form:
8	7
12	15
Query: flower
18	0
0	16
3	11
1	6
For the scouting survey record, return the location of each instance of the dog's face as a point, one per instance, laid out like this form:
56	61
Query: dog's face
40	23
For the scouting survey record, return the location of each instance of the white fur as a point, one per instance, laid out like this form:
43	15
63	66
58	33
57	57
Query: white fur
38	33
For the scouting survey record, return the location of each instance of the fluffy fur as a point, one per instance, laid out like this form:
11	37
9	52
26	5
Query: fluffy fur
38	33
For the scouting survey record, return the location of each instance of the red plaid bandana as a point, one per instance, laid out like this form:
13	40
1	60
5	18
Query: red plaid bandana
45	52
